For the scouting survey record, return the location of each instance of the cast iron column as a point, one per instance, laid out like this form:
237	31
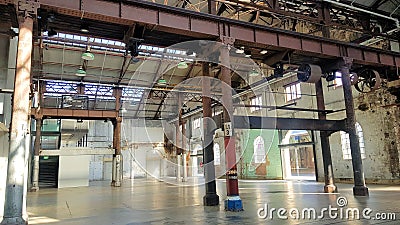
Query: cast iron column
116	182
330	186
359	188
35	177
211	198
233	201
14	203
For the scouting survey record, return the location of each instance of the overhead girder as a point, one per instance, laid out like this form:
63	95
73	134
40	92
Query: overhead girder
317	14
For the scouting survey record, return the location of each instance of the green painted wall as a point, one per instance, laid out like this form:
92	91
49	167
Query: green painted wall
272	168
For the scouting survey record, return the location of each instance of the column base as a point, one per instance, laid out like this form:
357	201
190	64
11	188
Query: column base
360	191
34	189
211	200
330	188
116	184
14	221
234	204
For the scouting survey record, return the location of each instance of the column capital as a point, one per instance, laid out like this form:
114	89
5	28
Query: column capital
347	61
227	40
26	8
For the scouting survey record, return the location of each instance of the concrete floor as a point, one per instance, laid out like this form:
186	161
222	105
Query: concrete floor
146	201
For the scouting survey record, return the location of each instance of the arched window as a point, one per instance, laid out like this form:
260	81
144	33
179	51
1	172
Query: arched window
259	150
217	154
345	140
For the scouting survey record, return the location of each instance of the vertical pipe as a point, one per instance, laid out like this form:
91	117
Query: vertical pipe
211	198
14	204
35	177
233	202
330	186
359	188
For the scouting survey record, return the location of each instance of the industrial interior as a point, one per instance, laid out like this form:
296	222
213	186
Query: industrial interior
198	112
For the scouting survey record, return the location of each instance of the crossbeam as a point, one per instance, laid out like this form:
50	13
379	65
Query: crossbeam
174	20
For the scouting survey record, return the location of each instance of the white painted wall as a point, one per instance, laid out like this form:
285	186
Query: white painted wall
73	171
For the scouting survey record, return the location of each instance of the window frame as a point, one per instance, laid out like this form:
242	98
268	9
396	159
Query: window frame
257	154
256	100
345	143
292	92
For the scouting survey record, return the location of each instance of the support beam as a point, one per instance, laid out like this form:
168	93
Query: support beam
233	201
116	178
37	147
359	188
196	24
211	198
330	186
15	191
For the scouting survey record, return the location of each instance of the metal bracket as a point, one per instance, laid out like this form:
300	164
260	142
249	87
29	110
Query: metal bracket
27	7
347	61
227	40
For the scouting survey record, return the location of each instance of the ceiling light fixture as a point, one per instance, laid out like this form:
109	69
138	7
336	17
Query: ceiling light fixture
247	53
263	52
88	55
80	72
84	28
134	60
123	110
162	82
240	50
182	65
253	73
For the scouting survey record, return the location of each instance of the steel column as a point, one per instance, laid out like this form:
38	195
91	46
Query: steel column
178	166
35	177
211	198
14	203
212	6
330	186
359	188
233	201
178	140
116	179
184	179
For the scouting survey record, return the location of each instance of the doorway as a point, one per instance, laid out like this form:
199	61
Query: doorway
297	152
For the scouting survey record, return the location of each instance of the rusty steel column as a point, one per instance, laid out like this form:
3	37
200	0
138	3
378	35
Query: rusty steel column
330	186
233	201
35	174
359	188
212	7
116	179
14	203
211	198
